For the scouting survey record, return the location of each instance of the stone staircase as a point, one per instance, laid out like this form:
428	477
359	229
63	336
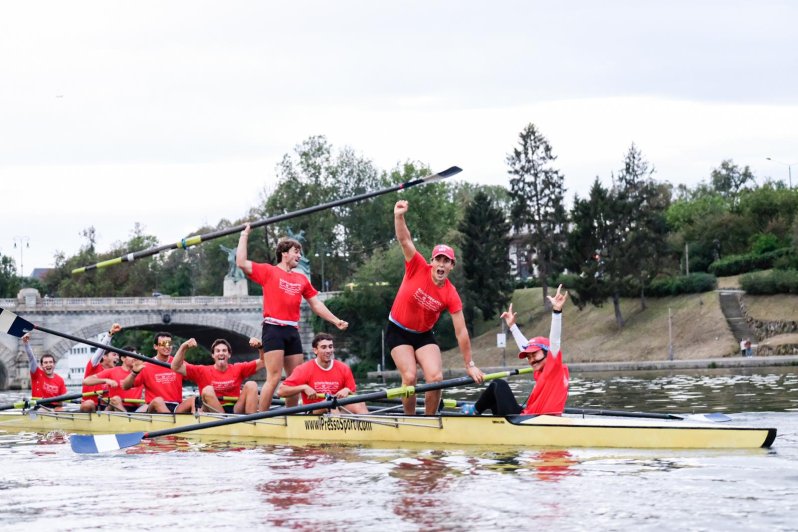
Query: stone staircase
730	306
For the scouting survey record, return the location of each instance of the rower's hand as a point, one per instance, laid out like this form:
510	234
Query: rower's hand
111	383
255	342
342	325
310	392
400	207
188	344
26	338
476	374
558	300
138	365
343	392
115	328
509	316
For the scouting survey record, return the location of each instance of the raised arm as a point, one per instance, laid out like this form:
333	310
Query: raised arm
258	344
509	318
402	232
31	357
127	382
106	339
321	310
241	252
555	334
178	362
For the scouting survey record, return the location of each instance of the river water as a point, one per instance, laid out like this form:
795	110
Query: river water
176	483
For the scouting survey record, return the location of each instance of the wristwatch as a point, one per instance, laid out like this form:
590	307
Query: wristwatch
471	364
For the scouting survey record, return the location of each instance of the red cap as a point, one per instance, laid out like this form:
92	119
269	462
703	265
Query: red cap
535	344
443	249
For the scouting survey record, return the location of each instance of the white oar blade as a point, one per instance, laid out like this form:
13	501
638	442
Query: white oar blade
443	175
101	443
12	324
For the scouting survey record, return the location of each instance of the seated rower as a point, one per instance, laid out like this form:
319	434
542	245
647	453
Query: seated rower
100	361
120	399
321	376
163	388
551	375
221	379
44	381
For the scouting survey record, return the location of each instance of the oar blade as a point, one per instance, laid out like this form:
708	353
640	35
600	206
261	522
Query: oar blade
715	417
12	324
101	443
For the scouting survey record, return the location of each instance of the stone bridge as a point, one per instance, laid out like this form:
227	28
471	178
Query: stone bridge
235	319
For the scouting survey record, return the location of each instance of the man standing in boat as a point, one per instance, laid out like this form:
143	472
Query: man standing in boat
321	377
100	361
551	374
44	381
221	379
118	397
283	290
425	292
163	388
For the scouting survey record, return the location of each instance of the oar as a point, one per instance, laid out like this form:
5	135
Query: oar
30	403
12	324
110	442
716	416
195	240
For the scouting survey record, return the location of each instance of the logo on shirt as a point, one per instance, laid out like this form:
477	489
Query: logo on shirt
291	289
165	378
426	301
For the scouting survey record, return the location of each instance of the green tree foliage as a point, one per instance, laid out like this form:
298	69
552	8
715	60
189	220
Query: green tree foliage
9	282
486	265
537	191
729	180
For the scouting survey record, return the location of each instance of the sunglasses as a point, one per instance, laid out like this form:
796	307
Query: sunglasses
165	344
537	359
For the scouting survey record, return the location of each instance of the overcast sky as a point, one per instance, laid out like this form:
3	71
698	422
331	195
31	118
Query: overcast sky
174	113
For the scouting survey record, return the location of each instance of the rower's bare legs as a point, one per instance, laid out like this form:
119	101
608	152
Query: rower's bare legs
355	408
116	404
429	358
186	407
158	406
291	362
210	403
273	360
248	401
88	406
404	357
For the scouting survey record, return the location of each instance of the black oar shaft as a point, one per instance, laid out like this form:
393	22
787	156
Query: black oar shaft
195	240
42	401
373	396
620	413
107	347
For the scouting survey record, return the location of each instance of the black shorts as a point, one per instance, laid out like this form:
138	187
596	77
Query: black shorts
131	408
171	406
396	336
283	338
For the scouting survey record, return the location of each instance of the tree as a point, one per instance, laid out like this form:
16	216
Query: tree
9	282
486	265
729	180
537	192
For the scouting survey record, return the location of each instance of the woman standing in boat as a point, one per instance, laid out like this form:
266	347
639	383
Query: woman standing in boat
425	292
283	290
551	375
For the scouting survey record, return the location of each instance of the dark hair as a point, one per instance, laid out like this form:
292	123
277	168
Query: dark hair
222	341
320	337
158	335
46	355
285	245
127	348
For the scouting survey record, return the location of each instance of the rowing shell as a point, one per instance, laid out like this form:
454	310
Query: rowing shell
526	431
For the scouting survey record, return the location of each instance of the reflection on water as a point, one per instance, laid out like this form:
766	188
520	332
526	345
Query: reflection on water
243	485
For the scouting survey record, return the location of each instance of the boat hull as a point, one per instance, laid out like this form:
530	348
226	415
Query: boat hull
524	431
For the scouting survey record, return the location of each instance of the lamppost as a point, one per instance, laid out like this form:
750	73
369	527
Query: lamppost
324	253
24	242
789	168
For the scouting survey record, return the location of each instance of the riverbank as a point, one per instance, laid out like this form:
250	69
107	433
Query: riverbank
634	365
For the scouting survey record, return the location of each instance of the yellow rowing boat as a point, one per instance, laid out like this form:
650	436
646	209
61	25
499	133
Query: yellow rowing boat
525	431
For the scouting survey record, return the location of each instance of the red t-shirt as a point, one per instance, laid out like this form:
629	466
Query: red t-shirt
551	388
324	381
119	373
93	370
225	384
160	382
282	291
43	386
419	302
